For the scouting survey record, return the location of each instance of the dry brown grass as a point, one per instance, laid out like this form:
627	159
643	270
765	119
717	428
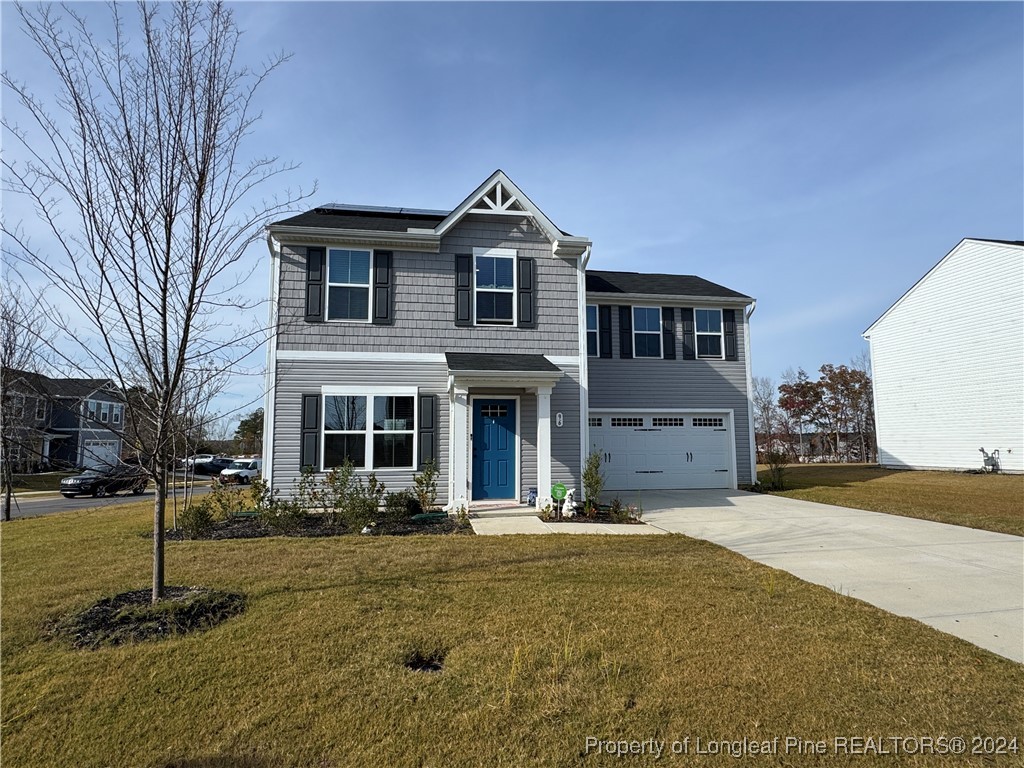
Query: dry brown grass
989	502
546	640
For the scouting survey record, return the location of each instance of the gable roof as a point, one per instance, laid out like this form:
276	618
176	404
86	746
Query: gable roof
939	263
47	386
638	283
498	195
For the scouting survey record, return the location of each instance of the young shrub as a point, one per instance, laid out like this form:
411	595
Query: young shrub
336	489
593	484
425	486
777	461
364	502
275	512
618	511
196	520
400	506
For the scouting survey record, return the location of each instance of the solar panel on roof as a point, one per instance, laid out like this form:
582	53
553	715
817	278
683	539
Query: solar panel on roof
382	209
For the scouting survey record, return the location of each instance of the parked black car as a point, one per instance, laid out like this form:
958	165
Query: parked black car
214	466
105	480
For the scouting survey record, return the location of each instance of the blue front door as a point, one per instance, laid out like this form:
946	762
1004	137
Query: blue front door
494	449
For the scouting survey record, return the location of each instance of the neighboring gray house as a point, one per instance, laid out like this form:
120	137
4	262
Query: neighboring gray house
63	422
462	336
947	361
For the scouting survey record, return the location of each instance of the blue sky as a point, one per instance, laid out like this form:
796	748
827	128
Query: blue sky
820	157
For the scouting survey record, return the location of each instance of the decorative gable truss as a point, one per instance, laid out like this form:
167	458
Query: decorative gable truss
500	201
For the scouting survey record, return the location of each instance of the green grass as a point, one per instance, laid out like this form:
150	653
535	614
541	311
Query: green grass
989	502
545	640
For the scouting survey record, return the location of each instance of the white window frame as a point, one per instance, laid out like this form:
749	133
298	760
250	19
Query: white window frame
92	410
370	393
596	331
328	285
104	413
115	414
40	409
697	334
507	253
661	345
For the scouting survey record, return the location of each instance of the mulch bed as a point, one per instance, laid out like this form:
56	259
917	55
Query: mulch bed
131	617
602	516
314	527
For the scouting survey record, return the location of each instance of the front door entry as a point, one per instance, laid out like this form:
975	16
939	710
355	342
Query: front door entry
494	449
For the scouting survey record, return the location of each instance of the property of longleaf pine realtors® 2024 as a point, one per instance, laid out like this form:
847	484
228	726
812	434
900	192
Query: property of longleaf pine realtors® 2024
792	745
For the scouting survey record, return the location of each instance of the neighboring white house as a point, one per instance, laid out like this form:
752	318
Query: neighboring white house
948	363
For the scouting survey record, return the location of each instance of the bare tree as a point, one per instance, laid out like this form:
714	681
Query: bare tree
141	179
22	342
766	410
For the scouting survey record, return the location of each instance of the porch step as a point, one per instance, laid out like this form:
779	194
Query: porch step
510	511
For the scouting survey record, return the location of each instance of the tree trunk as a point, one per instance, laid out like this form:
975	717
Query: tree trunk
159	508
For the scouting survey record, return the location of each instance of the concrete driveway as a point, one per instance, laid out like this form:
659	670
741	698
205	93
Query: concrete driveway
966	582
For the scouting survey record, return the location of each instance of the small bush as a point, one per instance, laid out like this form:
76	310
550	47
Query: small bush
400	506
425	485
363	504
593	484
196	520
336	490
275	512
777	461
618	512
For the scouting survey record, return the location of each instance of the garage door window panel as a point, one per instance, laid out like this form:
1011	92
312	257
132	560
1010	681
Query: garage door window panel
647	332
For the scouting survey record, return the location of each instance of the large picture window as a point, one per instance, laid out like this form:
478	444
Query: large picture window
709	332
384	441
592	330
646	332
348	284
494	288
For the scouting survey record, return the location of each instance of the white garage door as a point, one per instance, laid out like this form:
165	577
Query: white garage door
98	453
663	450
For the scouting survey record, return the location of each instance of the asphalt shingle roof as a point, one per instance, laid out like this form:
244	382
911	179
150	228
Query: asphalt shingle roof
475	361
657	285
376	221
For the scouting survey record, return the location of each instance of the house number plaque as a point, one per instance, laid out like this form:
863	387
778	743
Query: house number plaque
558	419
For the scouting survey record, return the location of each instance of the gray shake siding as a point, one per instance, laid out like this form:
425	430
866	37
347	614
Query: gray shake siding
424	300
651	383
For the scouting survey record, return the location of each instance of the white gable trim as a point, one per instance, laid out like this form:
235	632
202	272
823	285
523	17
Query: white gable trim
477	203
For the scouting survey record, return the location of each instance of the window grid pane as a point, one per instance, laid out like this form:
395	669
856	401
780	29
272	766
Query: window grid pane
344	412
391	450
592	343
338	447
709	321
709	346
391	413
591	318
493	307
647	345
646	319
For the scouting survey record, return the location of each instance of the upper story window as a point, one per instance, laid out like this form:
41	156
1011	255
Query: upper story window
708	324
105	412
592	330
40	409
348	285
91	410
115	414
494	286
646	332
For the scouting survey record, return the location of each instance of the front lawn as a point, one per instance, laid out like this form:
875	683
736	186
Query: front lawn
471	651
988	502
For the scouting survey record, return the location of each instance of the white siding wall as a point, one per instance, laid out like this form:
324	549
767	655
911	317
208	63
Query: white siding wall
948	363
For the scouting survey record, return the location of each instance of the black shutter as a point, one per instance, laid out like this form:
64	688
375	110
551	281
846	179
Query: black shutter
689	353
463	289
428	429
668	333
729	327
527	314
310	448
315	283
625	331
383	314
604	330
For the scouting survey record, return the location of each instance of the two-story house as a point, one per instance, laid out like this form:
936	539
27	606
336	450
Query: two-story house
476	338
61	421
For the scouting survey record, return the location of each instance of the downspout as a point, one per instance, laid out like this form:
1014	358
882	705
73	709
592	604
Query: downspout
750	394
270	383
584	368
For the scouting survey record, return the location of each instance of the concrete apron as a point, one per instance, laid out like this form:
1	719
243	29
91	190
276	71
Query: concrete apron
963	581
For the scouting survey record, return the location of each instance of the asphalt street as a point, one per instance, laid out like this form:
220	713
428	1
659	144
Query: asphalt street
35	506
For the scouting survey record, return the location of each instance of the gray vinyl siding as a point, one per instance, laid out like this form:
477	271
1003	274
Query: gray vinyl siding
298	377
651	383
424	299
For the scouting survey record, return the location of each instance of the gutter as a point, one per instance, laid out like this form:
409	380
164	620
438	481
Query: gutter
270	381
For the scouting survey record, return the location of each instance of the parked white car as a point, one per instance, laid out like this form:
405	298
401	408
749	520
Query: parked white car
242	471
199	458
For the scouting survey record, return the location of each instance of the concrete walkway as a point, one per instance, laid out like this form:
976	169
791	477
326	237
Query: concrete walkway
502	526
963	581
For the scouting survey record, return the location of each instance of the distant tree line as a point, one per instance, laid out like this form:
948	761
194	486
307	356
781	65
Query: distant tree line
831	418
